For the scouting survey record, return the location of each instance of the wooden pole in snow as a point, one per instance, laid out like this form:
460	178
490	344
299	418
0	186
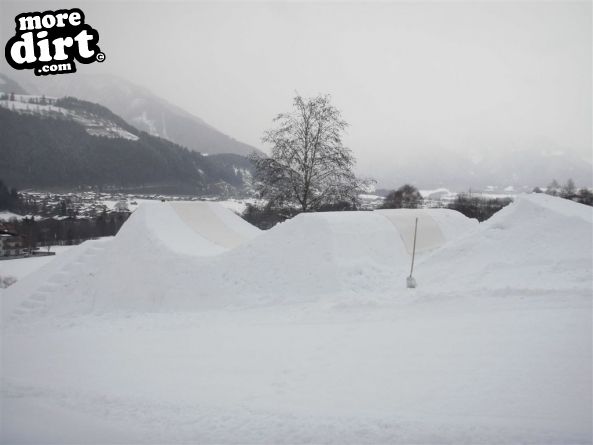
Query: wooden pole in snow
411	282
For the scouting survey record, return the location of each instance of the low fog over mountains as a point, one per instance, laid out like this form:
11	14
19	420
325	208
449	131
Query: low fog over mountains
521	169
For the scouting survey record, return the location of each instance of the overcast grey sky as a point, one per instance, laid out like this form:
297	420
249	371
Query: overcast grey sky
408	77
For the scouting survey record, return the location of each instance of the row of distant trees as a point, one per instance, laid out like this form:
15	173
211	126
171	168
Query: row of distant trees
7	96
478	207
32	100
50	231
568	190
472	206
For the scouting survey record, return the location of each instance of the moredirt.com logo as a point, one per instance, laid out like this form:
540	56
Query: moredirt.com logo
50	42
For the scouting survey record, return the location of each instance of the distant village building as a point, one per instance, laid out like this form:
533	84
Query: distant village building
11	244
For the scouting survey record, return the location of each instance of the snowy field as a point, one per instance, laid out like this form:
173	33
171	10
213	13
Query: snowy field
21	267
191	326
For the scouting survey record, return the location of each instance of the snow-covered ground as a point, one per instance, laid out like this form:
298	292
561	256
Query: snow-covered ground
238	206
5	215
21	267
190	326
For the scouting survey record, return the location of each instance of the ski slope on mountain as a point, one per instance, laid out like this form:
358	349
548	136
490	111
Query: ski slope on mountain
190	326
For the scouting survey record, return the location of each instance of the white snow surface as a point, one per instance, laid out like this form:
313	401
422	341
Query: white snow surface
538	244
21	267
5	215
190	326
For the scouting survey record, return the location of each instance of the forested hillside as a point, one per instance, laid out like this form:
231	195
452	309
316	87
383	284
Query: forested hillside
56	150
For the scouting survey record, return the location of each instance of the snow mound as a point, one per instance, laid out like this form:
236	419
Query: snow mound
537	243
308	256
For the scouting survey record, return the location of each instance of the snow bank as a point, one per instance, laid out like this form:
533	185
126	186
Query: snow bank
537	243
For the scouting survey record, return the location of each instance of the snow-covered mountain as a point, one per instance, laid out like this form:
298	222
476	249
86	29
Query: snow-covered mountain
97	123
140	108
65	143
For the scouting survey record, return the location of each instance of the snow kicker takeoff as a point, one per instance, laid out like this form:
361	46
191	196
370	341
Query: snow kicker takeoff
49	42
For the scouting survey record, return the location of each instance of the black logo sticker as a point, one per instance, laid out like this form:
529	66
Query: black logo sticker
50	42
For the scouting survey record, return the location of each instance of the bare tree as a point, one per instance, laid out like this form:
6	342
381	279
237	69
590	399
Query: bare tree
568	189
553	188
309	166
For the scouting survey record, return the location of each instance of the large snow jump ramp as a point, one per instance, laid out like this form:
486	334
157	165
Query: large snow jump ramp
159	242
